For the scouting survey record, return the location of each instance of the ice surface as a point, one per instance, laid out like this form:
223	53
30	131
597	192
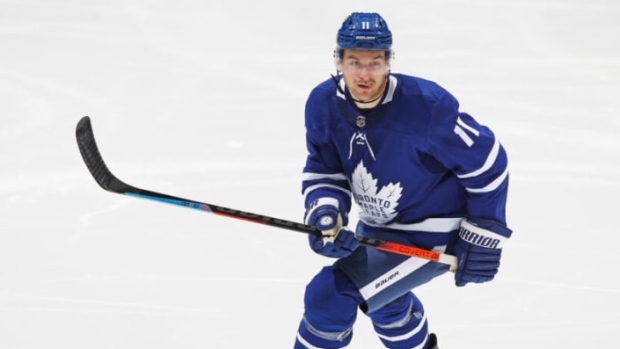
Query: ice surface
205	99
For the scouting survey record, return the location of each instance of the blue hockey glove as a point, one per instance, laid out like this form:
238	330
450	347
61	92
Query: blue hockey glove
478	250
336	241
336	246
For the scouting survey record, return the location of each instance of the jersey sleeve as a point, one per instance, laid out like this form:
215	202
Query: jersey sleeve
323	174
473	153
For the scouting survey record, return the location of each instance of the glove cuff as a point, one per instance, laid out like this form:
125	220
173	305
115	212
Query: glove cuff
318	203
488	234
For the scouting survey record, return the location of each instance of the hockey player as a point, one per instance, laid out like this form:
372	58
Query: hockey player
422	173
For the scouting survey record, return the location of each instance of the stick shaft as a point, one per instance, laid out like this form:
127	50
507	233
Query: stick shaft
108	181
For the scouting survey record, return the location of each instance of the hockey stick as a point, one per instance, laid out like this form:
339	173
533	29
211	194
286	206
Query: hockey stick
104	177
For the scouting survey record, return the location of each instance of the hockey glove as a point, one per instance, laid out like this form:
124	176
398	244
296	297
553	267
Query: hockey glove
478	250
336	241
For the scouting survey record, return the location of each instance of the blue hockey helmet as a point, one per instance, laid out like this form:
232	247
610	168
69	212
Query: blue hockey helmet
364	31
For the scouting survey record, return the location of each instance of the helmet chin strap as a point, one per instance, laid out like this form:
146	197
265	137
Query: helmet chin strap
357	100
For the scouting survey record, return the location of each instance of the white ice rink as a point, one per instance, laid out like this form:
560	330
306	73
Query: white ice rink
205	100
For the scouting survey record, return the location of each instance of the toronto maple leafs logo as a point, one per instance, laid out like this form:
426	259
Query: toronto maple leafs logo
378	205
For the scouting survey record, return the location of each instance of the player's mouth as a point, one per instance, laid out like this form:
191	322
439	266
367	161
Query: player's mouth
364	86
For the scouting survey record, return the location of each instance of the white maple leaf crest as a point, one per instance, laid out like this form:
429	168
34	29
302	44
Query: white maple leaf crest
378	206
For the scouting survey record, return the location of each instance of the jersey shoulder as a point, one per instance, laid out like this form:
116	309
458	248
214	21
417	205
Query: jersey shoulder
323	90
430	91
321	103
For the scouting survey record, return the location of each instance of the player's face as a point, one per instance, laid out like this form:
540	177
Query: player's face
364	72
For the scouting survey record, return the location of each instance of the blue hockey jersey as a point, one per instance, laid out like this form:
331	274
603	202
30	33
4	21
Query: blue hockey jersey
413	165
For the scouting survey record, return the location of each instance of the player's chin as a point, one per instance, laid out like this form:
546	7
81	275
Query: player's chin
366	92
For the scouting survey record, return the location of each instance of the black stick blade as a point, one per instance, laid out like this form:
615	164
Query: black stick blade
93	160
